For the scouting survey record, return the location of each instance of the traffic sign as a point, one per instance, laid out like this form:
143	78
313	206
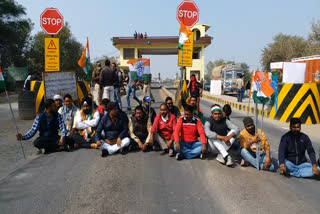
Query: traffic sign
185	58
52	54
188	12
51	21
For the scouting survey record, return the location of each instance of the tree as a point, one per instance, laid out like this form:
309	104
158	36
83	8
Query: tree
15	31
314	38
283	48
70	52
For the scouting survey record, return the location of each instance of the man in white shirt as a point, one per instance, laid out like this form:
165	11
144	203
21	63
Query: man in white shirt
85	122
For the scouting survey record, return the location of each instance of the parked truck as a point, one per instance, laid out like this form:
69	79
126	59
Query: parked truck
229	77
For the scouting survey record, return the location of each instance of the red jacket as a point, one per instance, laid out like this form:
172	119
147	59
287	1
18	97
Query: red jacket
190	130
164	129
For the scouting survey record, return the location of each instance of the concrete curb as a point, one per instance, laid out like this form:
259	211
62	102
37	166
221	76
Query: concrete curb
168	93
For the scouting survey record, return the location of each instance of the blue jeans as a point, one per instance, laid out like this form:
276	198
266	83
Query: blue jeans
250	157
133	90
303	170
117	97
190	150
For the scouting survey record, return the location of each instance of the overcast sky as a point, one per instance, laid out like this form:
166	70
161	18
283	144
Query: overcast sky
240	28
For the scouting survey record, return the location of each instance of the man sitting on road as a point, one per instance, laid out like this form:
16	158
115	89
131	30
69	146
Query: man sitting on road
172	108
219	137
68	111
147	108
85	124
48	123
292	149
140	130
58	100
163	129
249	141
115	127
103	108
186	134
196	111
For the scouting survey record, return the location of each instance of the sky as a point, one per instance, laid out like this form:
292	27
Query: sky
240	28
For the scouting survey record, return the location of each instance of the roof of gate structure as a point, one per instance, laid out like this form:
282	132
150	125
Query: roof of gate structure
162	45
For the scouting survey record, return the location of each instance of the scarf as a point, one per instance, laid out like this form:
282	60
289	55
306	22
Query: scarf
68	115
88	132
193	83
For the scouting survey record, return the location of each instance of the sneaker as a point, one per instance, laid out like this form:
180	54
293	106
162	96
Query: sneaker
220	159
40	151
179	156
171	153
104	153
229	161
203	156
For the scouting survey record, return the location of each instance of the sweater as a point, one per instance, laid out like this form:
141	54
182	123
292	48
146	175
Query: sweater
164	128
189	130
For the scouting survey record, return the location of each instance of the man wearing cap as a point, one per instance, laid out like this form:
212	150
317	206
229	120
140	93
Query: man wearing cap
219	137
163	129
68	111
249	141
147	109
85	124
58	100
292	153
115	127
140	129
186	134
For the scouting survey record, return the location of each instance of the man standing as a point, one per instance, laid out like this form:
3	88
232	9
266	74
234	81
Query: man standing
68	111
163	129
117	85
85	123
132	88
149	111
140	129
147	90
219	137
48	123
115	127
107	80
249	141
292	149
97	93
195	88
172	108
240	85
188	129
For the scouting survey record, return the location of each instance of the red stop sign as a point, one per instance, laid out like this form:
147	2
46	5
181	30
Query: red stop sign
51	21
188	12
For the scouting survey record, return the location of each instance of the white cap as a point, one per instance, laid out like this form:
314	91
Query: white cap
57	97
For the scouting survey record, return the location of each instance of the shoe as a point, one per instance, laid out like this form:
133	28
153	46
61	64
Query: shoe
171	153
66	148
40	151
123	151
104	153
203	156
244	163
220	159
229	161
132	148
179	156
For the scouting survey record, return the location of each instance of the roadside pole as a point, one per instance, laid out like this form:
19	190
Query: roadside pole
256	132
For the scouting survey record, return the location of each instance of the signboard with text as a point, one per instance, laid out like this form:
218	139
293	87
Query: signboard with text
185	58
188	12
51	21
60	83
51	54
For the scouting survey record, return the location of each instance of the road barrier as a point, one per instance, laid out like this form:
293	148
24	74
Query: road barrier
38	87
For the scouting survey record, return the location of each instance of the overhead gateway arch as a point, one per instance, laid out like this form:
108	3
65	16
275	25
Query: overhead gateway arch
131	47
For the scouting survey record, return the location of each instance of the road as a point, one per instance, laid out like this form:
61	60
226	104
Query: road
83	182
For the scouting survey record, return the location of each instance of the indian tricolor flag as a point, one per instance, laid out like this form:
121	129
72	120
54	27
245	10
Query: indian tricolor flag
84	61
139	69
185	33
2	83
261	88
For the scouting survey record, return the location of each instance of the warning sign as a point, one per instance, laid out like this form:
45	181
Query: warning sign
185	58
52	54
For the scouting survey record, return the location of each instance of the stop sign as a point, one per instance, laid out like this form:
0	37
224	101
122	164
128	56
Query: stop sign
51	21
188	12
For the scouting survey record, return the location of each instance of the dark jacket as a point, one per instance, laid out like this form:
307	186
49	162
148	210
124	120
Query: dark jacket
293	148
107	77
153	113
175	111
48	128
121	130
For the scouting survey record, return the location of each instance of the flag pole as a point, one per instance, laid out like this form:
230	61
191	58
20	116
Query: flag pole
15	122
256	132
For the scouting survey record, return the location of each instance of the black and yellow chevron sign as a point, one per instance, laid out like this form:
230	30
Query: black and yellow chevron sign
184	90
298	100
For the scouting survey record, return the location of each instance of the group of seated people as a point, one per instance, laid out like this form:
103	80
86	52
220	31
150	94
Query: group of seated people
184	136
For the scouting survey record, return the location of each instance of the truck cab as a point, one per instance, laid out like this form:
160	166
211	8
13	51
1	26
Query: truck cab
230	74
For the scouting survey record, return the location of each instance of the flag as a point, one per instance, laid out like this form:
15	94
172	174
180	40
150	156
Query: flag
2	83
139	69
261	88
84	61
274	85
185	33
